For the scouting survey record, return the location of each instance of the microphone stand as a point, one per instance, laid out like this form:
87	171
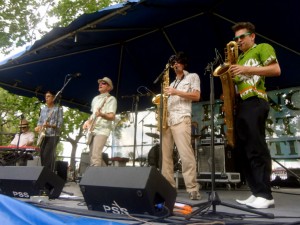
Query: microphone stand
56	100
162	73
136	99
17	156
213	197
142	120
61	90
20	130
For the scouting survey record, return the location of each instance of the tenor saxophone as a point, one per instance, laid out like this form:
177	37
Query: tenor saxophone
157	100
222	71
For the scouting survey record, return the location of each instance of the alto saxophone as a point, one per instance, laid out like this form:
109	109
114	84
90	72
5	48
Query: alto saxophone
222	71
157	100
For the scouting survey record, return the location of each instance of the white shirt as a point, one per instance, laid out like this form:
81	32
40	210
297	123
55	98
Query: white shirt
178	107
103	126
25	138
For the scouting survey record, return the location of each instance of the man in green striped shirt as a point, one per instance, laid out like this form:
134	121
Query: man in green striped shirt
255	63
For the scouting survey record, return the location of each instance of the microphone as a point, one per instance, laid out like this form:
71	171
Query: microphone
74	75
172	60
38	102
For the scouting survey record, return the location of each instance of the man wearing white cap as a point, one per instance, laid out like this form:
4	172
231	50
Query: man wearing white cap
100	123
25	137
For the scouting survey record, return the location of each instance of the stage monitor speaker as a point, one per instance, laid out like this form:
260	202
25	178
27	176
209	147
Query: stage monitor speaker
122	190
27	181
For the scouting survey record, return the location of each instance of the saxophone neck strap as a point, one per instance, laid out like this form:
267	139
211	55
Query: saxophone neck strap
177	82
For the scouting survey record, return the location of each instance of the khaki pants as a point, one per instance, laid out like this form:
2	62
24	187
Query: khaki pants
96	148
181	135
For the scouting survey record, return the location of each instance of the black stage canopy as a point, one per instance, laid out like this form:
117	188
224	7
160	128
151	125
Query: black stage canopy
132	42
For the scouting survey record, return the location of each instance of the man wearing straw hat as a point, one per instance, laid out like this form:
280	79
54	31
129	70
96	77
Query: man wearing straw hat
24	137
100	123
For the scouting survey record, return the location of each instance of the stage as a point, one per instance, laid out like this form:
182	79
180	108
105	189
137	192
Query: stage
71	202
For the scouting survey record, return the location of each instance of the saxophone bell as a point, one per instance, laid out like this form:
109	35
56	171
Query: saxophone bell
156	99
222	69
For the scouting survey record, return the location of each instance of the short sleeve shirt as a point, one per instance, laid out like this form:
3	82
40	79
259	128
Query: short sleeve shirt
178	107
254	85
108	104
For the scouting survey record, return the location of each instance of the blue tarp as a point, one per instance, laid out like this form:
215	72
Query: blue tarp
16	212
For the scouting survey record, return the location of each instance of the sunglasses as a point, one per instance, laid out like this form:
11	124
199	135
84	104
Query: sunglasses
103	83
242	36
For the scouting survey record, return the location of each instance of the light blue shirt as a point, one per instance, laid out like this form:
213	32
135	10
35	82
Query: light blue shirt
54	116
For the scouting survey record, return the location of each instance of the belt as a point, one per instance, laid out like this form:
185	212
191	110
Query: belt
248	99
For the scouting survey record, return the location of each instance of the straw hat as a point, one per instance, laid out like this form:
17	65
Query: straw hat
24	123
107	80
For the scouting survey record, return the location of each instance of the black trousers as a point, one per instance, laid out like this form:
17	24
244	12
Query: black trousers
252	148
48	151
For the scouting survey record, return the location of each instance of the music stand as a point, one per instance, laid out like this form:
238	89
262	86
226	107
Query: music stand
213	197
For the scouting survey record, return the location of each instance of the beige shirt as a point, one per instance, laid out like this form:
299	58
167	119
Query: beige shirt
178	107
25	139
103	126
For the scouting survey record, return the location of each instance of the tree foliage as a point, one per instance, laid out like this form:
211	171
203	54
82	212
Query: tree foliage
19	22
68	10
14	107
11	108
23	22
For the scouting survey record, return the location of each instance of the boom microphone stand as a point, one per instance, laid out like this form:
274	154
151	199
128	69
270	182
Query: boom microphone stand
136	99
213	198
57	98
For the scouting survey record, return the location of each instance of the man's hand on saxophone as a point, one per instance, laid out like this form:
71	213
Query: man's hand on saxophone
170	91
193	95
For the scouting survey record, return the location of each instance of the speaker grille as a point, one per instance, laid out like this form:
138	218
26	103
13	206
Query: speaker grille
25	181
121	190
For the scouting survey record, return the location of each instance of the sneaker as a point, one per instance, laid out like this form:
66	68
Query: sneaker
261	203
248	200
195	195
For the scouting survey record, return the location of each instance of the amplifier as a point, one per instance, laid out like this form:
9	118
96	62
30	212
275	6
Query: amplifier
220	177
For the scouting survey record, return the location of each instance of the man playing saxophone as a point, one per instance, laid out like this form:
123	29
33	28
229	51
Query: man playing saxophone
181	92
255	63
